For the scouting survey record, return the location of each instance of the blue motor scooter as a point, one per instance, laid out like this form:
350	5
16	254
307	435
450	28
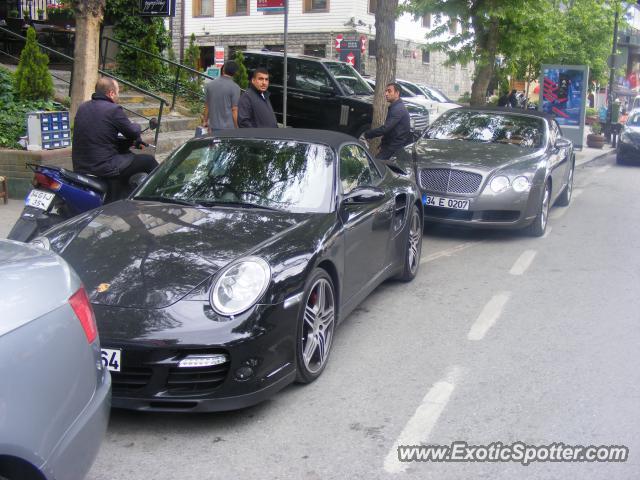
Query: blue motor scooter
59	194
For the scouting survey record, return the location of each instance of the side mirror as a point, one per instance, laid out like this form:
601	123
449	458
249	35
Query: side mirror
327	91
562	142
153	123
363	195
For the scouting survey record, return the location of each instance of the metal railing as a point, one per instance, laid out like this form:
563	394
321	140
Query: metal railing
178	66
71	60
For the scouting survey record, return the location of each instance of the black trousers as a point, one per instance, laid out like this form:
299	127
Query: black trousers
142	163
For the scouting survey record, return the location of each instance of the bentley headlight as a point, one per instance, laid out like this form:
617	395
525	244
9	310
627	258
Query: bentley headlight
240	286
520	184
499	184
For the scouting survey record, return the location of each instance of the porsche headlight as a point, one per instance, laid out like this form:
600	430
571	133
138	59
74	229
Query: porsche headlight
499	184
240	286
520	184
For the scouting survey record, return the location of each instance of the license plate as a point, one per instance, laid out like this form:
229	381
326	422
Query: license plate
444	202
40	199
111	359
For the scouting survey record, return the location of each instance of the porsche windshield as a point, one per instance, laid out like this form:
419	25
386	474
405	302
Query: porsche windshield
275	174
489	127
350	81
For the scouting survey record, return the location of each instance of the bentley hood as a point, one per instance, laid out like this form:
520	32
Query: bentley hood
150	255
477	156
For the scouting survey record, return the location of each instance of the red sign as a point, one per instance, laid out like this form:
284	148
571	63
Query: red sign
270	5
338	42
219	56
363	43
351	59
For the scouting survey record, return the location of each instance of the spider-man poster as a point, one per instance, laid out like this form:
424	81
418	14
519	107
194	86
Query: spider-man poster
563	91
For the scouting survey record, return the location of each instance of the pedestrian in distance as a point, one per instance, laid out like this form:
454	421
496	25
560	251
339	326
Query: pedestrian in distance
221	98
254	107
396	131
513	99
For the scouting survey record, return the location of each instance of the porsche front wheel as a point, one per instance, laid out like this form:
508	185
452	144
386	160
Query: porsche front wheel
315	326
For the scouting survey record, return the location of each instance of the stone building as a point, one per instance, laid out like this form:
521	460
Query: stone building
314	28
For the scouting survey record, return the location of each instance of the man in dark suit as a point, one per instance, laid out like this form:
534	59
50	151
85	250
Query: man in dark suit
396	131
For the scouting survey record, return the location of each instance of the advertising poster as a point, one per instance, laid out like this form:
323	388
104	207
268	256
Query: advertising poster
563	91
273	6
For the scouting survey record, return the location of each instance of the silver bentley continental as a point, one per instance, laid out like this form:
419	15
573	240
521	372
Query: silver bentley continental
491	168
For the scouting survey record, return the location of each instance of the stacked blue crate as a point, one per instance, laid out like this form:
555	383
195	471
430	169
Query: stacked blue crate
56	130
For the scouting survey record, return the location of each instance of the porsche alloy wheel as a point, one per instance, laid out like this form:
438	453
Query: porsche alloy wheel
414	247
316	327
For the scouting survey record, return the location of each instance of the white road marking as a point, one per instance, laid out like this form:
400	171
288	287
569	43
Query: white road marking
420	425
548	232
448	252
523	262
577	192
489	315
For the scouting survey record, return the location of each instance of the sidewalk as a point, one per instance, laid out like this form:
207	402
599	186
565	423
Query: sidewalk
10	212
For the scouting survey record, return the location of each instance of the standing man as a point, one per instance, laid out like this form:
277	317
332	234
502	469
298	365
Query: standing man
396	131
97	148
254	107
221	100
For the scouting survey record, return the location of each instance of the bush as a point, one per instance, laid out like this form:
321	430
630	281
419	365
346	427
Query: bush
13	113
465	98
591	112
596	128
33	80
241	77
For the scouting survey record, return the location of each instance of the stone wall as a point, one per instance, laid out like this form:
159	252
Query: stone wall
13	165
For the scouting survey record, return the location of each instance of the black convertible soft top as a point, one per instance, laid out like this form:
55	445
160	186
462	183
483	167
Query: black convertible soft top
324	137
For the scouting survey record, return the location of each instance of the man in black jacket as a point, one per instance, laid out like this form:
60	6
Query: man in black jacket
396	131
97	149
254	107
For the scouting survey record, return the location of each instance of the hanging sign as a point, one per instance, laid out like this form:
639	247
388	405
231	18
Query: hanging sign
219	56
271	6
157	8
338	42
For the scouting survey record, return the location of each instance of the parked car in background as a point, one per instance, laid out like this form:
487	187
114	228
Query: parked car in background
492	167
231	266
438	102
322	93
410	98
628	148
55	393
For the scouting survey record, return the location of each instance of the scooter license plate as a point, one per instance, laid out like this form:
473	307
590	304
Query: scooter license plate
39	199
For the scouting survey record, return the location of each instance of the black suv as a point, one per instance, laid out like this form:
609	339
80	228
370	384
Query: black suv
322	93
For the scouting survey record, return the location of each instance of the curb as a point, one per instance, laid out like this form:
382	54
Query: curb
597	157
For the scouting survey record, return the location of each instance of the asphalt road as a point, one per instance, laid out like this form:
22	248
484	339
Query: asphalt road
501	338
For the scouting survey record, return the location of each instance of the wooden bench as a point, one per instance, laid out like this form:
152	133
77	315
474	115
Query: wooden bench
4	192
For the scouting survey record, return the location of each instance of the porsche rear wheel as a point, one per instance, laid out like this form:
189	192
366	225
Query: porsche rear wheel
315	326
414	247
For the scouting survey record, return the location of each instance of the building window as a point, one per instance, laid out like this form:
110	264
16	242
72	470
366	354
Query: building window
316	50
373	6
426	56
316	6
373	49
274	48
202	8
426	20
237	7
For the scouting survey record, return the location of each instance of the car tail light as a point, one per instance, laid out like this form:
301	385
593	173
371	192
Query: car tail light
41	180
79	301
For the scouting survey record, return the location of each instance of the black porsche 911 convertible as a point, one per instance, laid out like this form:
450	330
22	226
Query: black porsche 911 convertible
223	277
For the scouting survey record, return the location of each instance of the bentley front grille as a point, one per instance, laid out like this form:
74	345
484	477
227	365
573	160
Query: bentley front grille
444	180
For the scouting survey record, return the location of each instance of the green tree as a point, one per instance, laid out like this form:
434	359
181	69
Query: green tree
192	53
241	77
32	79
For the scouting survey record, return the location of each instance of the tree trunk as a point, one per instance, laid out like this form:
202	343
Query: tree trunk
89	14
385	59
487	45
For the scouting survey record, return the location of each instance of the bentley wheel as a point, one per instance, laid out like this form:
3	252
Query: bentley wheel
413	248
619	158
565	197
539	225
315	327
